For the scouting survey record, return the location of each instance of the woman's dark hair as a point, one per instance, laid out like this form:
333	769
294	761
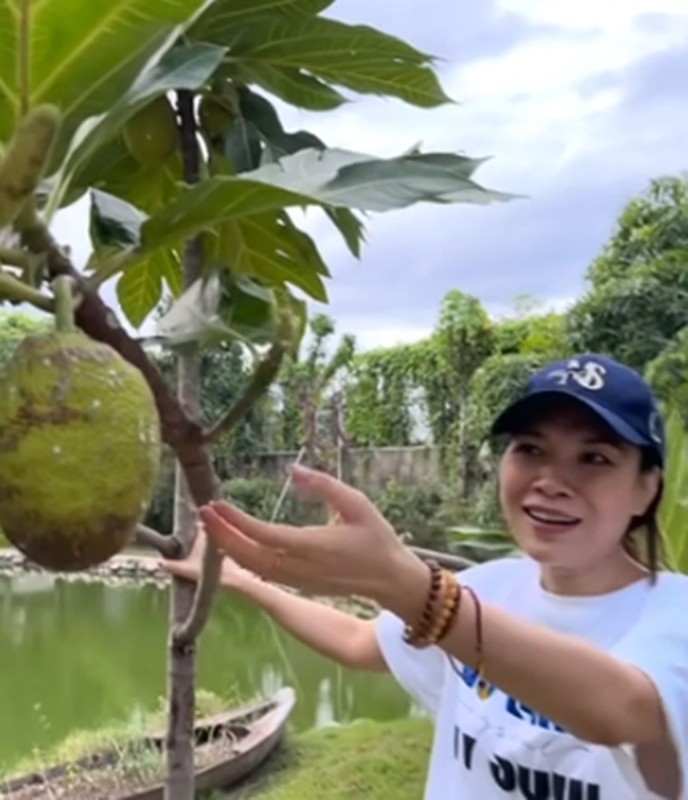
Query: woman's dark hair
647	549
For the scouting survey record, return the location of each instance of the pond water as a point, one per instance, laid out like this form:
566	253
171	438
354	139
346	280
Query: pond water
81	655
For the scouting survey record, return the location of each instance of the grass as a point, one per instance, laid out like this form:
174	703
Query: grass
374	760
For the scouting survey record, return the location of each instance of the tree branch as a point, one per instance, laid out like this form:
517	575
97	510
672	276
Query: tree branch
168	546
264	374
17	291
14	258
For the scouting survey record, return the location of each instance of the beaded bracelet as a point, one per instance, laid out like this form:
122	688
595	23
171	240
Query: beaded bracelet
453	610
412	635
445	613
441	608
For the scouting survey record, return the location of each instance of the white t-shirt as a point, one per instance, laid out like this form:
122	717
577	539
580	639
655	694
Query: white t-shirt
492	748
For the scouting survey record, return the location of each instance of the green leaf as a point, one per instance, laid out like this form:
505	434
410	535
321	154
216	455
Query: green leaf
170	268
183	67
217	309
147	188
310	177
289	84
246	310
115	227
139	290
278	143
114	223
271	248
242	146
206	204
80	55
298	58
349	226
341	178
262	115
225	15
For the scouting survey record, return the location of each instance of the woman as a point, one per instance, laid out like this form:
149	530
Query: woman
561	674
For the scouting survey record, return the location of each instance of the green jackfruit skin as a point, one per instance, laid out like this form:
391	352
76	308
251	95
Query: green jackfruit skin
80	450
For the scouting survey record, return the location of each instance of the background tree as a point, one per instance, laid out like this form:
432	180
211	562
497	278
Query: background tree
635	317
464	338
164	122
304	385
379	394
636	303
651	226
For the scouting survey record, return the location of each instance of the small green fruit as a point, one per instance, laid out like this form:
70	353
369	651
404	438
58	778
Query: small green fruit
79	450
151	134
214	117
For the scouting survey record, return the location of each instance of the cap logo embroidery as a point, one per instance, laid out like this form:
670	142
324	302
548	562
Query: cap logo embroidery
654	427
589	375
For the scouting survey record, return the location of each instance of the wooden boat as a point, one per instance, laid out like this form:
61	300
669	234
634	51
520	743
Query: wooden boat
252	733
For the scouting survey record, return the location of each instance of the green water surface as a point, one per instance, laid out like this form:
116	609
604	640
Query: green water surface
79	655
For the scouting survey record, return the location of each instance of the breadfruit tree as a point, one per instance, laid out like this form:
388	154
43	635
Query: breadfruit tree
160	113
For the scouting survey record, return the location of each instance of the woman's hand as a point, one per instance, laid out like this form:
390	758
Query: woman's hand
357	552
232	577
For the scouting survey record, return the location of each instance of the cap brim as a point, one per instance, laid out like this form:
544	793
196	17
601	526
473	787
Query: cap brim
508	420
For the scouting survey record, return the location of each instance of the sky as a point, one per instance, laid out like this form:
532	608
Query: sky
577	105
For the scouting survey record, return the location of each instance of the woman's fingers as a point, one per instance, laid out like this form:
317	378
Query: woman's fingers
180	569
266	533
344	501
230	540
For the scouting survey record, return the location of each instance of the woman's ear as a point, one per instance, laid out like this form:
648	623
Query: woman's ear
650	483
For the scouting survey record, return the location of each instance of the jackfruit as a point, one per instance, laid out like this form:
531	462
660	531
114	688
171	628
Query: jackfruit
80	450
151	135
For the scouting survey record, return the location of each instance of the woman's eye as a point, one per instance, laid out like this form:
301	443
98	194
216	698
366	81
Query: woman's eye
596	458
526	448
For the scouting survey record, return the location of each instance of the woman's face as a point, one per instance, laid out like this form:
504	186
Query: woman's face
569	488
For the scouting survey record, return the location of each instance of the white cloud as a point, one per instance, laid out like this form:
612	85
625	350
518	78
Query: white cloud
610	15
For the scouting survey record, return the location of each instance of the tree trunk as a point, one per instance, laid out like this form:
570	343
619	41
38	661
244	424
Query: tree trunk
181	664
463	448
181	661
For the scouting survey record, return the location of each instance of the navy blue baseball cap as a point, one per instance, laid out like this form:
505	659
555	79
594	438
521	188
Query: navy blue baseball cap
615	392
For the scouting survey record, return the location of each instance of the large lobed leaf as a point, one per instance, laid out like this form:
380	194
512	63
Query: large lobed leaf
345	179
79	55
302	59
335	178
228	14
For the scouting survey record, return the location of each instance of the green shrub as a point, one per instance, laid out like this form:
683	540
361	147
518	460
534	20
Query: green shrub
415	510
259	496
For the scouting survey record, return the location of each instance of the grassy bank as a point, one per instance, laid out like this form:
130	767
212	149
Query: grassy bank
374	760
363	759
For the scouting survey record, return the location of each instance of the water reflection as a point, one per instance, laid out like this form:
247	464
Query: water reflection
82	655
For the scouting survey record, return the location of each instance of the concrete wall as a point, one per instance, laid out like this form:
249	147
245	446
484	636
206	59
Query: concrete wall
370	469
